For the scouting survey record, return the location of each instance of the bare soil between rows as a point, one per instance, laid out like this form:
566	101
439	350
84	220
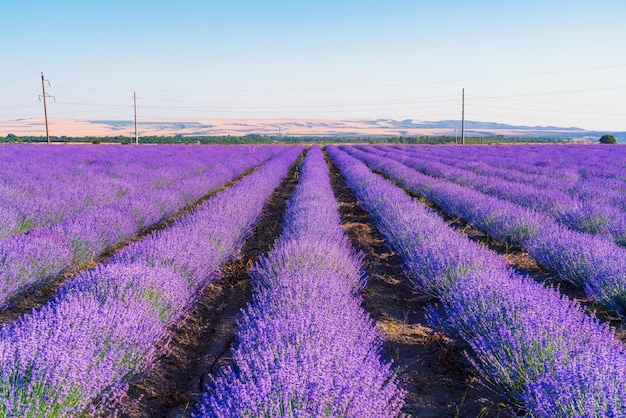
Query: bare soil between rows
200	344
36	298
521	262
431	366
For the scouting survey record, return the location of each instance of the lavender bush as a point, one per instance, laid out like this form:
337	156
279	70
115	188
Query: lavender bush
582	189
59	359
305	347
108	216
44	186
528	342
102	328
536	346
30	259
593	263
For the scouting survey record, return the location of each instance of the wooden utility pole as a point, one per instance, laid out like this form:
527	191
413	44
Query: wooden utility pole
45	108
135	107
463	117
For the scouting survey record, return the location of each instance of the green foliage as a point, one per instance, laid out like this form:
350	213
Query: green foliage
608	139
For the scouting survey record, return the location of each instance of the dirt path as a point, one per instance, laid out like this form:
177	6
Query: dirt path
37	298
200	344
520	261
432	367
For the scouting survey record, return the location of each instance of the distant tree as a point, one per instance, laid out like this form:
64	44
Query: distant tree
12	137
608	139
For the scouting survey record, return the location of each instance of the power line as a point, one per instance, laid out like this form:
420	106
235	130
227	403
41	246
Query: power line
429	100
17	106
287	109
8	93
96	104
545	110
367	86
404	104
18	79
550	93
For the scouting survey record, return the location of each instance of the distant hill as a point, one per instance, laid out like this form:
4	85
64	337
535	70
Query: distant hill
291	127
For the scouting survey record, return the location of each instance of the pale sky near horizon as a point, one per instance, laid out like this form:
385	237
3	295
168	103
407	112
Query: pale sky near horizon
559	63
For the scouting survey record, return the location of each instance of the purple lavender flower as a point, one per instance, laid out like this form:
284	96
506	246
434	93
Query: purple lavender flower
528	342
103	327
305	347
26	261
105	199
591	262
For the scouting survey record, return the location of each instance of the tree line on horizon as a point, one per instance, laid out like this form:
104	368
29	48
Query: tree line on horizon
269	139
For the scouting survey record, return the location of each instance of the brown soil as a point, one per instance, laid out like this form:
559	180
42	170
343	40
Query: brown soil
431	367
200	344
38	297
520	261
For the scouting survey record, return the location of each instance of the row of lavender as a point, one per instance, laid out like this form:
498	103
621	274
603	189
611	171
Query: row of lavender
527	341
41	186
574	168
579	171
593	263
596	211
592	174
102	327
31	259
305	346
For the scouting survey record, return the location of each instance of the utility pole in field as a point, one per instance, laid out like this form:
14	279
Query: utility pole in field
45	108
463	117
135	107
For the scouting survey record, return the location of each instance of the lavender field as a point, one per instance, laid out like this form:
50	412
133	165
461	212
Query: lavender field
294	281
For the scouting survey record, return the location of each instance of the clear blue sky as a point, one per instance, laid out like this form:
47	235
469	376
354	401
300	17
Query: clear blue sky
529	62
